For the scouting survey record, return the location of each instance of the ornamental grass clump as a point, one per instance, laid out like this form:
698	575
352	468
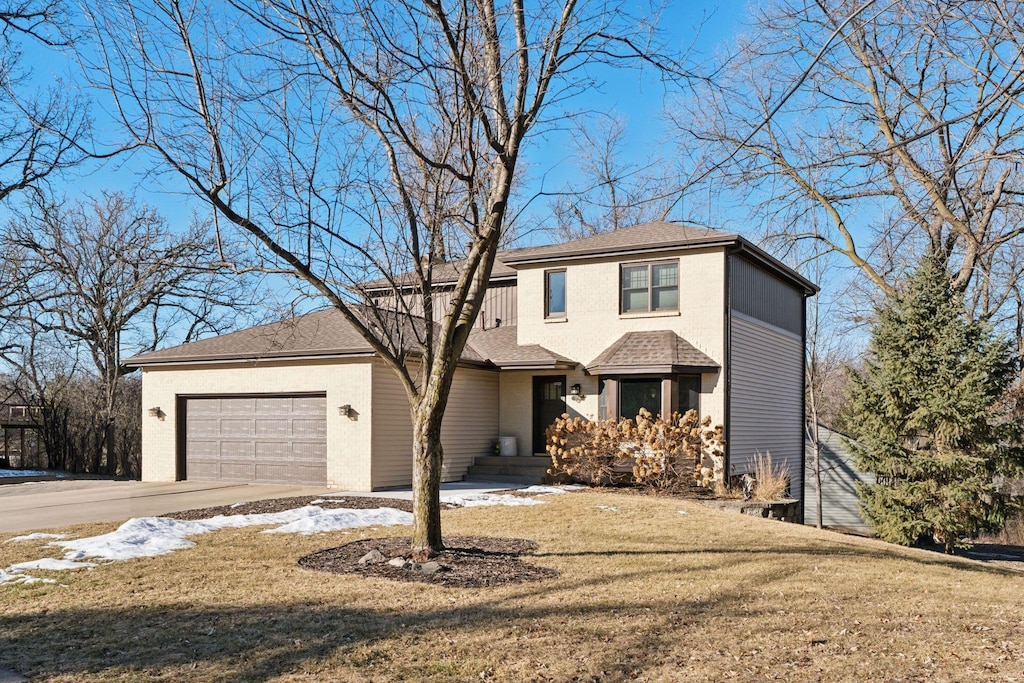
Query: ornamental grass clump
770	480
650	450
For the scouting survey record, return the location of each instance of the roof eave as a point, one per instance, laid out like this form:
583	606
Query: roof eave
619	251
415	287
652	369
535	365
208	359
778	268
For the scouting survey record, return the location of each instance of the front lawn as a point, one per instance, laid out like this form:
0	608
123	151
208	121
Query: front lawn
644	592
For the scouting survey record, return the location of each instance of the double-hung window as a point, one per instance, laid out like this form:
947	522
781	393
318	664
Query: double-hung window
649	287
554	293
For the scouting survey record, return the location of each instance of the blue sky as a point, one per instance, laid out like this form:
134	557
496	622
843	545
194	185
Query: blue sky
638	101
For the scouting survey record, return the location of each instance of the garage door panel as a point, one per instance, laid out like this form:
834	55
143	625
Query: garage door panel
309	429
270	439
233	426
312	405
273	427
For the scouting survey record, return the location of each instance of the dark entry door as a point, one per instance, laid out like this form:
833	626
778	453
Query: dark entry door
548	405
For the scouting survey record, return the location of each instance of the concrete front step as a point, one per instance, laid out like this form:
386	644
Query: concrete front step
513	460
503	478
522	469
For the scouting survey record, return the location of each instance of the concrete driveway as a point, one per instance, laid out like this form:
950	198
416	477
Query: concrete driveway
47	504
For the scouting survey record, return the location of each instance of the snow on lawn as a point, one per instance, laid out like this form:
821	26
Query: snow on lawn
51	565
539	490
24	579
472	500
152	536
34	537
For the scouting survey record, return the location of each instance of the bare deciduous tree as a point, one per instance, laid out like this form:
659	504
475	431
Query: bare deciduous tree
109	275
611	192
39	130
906	136
354	140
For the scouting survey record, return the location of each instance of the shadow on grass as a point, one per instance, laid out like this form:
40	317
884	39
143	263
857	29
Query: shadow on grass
923	556
331	642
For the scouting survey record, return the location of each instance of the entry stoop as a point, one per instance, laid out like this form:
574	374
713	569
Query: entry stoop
520	469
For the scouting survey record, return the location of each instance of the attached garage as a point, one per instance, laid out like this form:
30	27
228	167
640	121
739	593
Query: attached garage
269	439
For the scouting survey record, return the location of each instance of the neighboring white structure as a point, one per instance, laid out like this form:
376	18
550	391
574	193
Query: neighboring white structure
660	315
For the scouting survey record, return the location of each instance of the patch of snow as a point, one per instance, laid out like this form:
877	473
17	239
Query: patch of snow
682	512
236	505
472	500
23	579
609	508
38	536
551	490
152	536
335	520
51	565
317	501
30	473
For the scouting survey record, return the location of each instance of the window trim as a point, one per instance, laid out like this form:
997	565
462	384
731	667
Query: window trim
548	315
650	287
612	390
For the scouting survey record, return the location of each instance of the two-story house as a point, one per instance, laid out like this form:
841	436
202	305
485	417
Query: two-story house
661	316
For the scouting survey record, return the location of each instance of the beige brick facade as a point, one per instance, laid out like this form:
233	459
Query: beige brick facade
344	382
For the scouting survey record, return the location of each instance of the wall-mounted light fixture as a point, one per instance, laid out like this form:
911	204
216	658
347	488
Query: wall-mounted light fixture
345	410
575	390
155	412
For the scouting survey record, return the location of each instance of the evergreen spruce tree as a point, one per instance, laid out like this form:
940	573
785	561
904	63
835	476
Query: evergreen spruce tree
926	416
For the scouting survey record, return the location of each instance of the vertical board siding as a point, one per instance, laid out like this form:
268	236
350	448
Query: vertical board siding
766	399
500	302
840	504
469	429
762	296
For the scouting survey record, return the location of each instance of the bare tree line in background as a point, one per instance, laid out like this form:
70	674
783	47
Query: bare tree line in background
93	280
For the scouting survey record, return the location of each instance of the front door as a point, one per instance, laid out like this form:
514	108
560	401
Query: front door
548	406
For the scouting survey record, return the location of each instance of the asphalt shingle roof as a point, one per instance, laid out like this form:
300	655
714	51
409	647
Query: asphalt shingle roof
653	351
499	345
322	333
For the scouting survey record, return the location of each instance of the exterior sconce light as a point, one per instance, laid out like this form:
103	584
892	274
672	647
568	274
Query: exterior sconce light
576	390
345	410
156	412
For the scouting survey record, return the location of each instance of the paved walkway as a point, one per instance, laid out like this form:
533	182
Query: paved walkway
50	504
44	505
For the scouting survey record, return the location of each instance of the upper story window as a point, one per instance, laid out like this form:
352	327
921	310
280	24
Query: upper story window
554	293
650	287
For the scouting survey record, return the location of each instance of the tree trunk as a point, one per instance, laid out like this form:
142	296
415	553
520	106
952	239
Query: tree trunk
428	456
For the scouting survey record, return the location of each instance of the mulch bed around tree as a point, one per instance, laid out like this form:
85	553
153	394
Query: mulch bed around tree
467	561
257	507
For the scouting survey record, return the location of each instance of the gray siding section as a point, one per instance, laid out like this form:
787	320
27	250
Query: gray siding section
470	425
840	504
765	399
500	303
760	295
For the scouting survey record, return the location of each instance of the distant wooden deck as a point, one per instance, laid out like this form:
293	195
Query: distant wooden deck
20	445
20	416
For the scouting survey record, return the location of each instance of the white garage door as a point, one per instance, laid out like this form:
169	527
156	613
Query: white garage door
265	439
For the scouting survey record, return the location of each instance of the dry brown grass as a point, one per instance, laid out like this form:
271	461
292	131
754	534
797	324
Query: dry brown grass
644	593
771	481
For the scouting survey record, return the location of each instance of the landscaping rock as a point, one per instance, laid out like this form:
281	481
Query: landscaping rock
373	557
398	562
427	568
